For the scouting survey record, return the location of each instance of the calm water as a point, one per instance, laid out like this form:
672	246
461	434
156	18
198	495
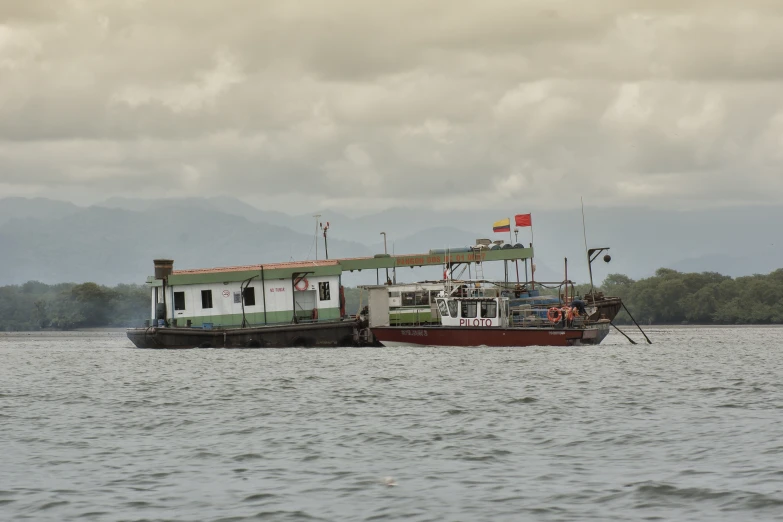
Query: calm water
690	428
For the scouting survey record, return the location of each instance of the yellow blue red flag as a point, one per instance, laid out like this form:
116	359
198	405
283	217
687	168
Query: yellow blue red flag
504	225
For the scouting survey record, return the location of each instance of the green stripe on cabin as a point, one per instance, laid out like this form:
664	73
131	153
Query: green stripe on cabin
257	318
411	317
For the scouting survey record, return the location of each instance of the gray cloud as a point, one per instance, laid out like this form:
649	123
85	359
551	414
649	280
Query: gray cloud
296	105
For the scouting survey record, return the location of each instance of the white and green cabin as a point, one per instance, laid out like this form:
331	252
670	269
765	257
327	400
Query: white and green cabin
258	294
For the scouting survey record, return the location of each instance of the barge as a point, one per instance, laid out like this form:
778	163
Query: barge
302	304
299	303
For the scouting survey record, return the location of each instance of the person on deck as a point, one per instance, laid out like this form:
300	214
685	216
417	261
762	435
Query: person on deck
579	305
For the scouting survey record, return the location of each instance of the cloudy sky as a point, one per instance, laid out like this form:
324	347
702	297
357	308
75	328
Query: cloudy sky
360	105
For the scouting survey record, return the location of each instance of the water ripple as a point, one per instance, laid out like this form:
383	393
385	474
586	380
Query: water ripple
685	429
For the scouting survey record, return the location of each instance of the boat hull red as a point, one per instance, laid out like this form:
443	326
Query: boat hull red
476	337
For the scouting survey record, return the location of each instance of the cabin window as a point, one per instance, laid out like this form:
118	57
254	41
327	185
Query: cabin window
179	300
323	291
250	296
408	298
394	295
418	298
206	299
453	308
489	309
469	309
444	310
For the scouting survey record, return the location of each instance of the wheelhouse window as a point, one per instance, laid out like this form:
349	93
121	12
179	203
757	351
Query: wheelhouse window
489	309
444	310
250	296
323	291
453	308
469	309
206	299
179	300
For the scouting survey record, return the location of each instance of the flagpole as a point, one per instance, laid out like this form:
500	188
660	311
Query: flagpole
511	241
510	237
532	265
516	261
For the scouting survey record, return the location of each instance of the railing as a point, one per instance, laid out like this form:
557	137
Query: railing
536	318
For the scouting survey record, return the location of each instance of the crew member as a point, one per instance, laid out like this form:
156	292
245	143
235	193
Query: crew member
579	305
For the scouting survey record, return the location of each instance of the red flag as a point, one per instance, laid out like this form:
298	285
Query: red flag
523	220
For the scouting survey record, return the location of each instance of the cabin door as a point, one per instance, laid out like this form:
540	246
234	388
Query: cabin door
304	303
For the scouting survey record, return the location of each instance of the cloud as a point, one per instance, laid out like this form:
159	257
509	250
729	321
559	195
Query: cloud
360	105
182	97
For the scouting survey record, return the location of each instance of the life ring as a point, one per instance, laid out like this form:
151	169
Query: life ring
554	315
303	287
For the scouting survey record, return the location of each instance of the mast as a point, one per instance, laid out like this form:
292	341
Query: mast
316	216
587	251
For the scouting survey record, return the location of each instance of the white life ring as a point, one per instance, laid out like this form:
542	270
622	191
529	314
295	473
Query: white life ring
302	287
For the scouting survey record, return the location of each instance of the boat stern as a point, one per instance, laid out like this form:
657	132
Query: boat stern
594	334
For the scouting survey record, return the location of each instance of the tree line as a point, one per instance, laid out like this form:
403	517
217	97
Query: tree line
68	306
668	297
672	297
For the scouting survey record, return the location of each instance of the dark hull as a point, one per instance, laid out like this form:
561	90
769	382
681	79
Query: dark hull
608	307
477	337
338	333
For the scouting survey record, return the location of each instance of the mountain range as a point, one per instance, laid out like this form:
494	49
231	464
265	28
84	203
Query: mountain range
116	240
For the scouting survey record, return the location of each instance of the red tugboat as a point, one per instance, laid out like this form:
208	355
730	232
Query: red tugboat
488	321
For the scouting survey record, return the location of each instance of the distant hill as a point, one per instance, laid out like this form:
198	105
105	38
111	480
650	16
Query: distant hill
735	241
35	208
111	246
235	207
115	242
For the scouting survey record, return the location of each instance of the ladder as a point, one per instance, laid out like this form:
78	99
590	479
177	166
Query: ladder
479	264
